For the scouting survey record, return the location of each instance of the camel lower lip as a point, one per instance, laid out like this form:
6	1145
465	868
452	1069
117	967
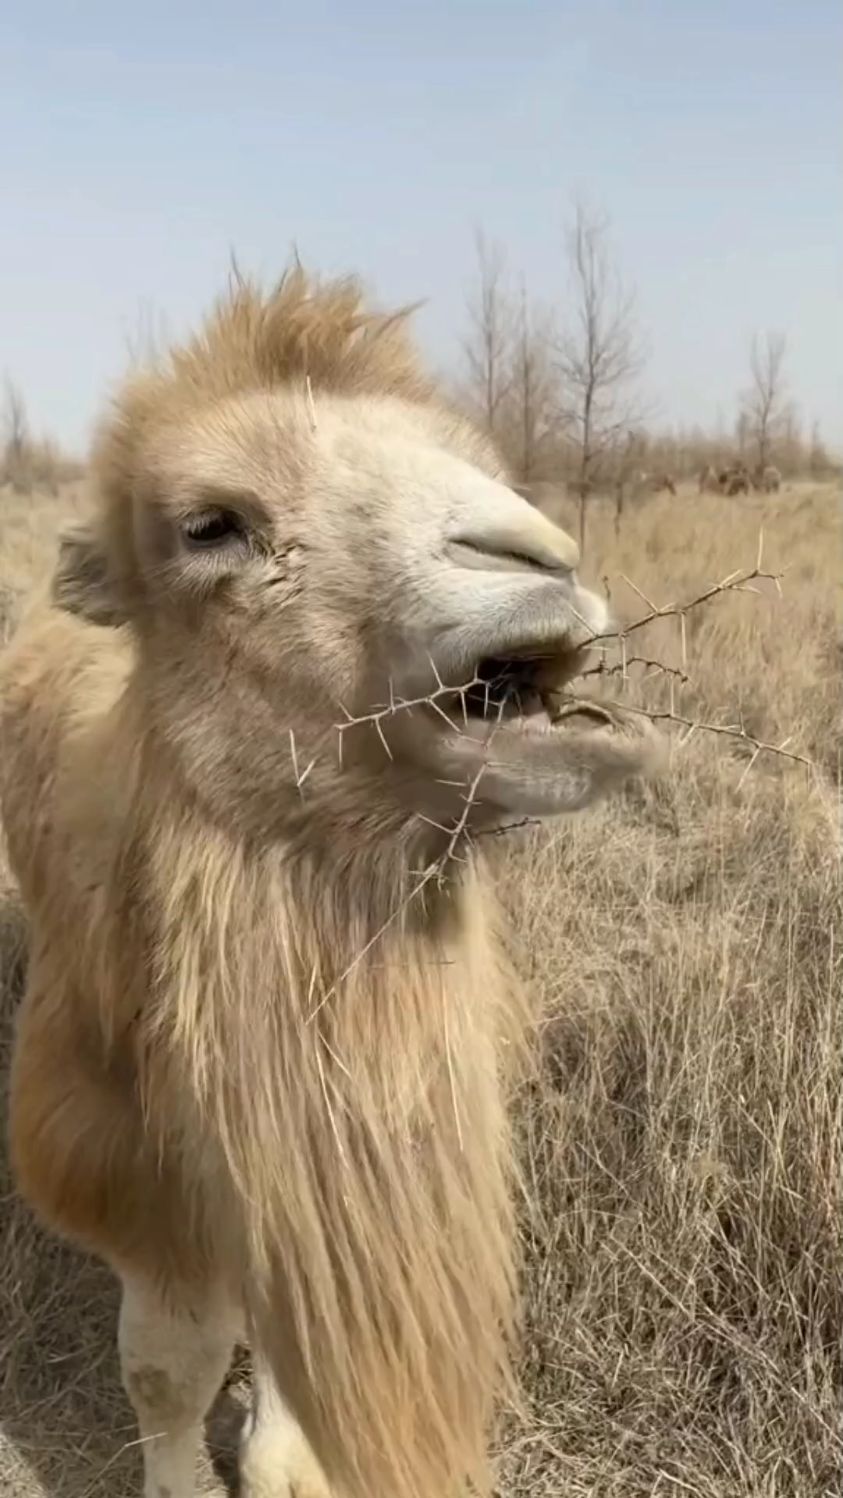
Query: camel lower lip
580	712
552	717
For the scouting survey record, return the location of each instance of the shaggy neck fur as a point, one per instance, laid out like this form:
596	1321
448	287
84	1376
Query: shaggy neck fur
340	1046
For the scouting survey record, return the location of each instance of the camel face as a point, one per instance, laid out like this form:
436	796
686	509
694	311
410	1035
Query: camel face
298	566
485	600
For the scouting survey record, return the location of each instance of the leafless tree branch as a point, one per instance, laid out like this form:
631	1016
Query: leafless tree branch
488	348
764	408
599	353
532	390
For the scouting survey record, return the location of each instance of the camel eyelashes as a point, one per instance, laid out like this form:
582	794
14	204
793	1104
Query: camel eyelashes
213	527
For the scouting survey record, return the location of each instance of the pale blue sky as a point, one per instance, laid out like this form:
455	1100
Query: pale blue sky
143	142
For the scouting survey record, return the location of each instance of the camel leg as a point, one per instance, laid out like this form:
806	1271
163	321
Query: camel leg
276	1460
175	1349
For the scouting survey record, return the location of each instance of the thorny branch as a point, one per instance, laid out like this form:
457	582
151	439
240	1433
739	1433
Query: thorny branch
736	582
621	667
739	581
405	704
732	730
435	870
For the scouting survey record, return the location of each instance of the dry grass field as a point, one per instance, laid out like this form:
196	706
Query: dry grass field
682	1133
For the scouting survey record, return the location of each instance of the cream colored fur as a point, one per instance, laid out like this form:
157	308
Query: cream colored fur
260	1059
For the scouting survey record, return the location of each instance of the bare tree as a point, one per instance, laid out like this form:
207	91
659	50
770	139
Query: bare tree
819	463
630	456
599	353
15	436
764	405
489	345
530	392
743	434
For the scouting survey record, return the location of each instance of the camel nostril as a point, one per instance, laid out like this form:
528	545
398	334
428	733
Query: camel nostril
473	552
499	550
508	533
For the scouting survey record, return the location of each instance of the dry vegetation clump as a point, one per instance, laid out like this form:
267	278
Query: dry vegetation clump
39	466
683	1135
682	1131
29	463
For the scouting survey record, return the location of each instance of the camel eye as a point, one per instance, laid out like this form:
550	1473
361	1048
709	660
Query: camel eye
211	528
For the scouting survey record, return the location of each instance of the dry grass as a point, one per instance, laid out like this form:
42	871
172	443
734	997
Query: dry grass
683	1135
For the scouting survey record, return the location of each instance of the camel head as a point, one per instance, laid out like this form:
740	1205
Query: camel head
302	539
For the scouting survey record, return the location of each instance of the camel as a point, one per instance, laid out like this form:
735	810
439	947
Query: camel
654	483
664	481
768	479
308	649
734	480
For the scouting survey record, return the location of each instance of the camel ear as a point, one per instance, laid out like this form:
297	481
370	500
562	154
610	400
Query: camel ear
82	582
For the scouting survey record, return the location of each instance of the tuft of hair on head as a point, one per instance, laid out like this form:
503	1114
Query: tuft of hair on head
303	329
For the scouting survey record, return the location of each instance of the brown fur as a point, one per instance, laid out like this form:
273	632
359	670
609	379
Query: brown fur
734	480
645	482
664	481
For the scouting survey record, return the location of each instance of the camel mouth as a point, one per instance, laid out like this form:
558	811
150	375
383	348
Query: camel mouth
540	746
530	689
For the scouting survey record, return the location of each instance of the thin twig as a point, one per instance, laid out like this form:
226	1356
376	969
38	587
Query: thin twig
731	730
602	669
734	583
300	776
406	704
435	870
311	404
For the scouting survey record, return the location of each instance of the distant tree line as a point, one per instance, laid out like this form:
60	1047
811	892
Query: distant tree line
560	390
558	387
